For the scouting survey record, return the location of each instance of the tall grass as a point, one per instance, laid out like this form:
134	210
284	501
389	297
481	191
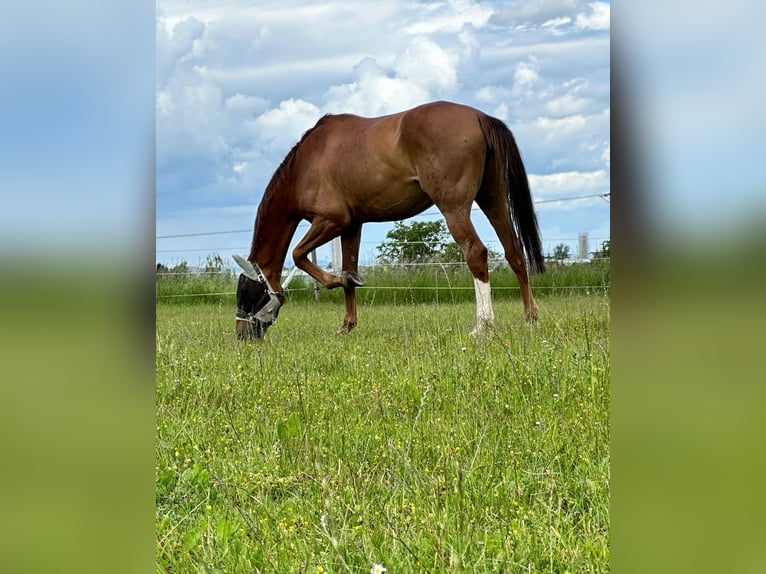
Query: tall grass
185	288
399	284
406	443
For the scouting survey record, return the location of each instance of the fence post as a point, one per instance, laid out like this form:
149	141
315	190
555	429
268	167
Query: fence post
337	256
316	283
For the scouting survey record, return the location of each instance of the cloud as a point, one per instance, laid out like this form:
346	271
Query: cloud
555	15
176	44
537	12
188	107
554	128
241	104
189	121
526	75
452	16
428	65
556	23
492	94
566	105
569	183
281	127
373	92
597	17
561	144
501	112
422	72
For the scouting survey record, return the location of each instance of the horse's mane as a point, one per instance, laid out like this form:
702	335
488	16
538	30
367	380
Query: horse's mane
283	170
281	174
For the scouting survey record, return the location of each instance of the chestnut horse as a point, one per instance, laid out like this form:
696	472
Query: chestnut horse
348	170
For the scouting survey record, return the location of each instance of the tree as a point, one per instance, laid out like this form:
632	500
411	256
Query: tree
561	252
604	251
181	267
213	263
417	242
453	254
421	242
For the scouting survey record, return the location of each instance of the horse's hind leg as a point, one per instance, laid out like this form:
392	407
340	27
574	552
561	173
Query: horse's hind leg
475	254
496	210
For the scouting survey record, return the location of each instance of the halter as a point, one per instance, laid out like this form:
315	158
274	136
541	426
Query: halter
267	313
249	318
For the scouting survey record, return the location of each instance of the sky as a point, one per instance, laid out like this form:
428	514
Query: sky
238	83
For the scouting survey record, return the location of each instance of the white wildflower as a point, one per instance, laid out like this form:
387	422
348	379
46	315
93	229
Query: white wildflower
377	569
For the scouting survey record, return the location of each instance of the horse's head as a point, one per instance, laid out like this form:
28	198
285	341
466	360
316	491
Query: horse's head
257	305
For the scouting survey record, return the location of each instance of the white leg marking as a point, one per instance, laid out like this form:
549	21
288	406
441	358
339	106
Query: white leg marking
485	316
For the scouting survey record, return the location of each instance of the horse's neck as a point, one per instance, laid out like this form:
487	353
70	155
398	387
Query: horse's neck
274	229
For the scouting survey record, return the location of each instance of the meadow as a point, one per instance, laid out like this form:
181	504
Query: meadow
407	443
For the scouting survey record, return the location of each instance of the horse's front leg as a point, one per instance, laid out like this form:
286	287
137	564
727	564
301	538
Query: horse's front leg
320	232
349	320
349	242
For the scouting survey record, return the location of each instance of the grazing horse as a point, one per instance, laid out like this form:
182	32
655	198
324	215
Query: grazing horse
348	170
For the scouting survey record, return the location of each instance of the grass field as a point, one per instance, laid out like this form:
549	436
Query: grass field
407	443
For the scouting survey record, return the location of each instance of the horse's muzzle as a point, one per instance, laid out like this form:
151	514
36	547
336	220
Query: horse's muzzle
249	329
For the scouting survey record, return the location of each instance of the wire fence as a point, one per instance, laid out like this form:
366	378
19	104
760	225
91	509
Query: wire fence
493	263
418	282
587	289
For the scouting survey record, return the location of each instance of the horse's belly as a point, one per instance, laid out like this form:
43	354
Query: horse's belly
392	203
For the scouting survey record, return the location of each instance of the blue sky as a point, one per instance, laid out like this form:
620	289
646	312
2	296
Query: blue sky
239	82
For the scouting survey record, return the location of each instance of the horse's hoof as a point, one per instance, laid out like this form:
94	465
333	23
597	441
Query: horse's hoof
345	329
352	279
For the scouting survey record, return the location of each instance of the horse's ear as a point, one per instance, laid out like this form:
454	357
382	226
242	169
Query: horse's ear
246	266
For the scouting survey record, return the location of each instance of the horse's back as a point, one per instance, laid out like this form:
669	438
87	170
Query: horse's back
442	112
393	166
443	130
441	121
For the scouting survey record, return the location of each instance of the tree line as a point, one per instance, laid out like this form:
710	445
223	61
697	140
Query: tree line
430	241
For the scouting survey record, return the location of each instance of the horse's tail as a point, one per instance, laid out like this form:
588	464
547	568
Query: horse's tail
508	162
